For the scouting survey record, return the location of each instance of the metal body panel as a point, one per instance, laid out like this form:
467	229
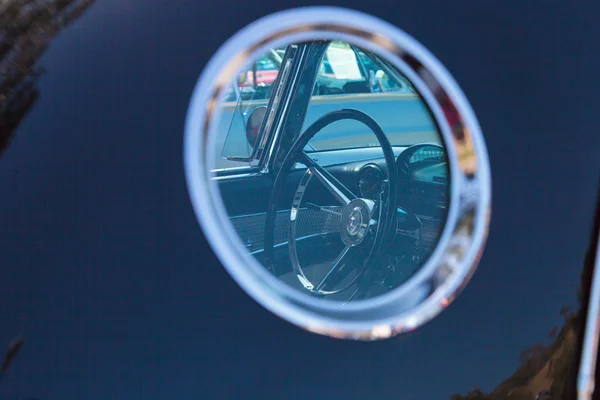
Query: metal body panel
106	274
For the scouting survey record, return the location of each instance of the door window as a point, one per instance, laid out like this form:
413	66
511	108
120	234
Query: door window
251	91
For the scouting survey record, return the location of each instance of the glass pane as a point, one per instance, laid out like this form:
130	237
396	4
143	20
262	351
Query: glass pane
315	221
385	95
251	90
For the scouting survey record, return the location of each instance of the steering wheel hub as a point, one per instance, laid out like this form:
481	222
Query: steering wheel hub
355	221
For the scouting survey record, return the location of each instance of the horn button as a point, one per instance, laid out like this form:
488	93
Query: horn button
355	221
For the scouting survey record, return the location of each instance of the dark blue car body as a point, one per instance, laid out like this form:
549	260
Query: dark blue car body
107	277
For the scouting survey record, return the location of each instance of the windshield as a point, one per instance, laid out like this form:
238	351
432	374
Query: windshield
350	77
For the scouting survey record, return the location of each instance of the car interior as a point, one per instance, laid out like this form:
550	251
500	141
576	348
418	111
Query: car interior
292	220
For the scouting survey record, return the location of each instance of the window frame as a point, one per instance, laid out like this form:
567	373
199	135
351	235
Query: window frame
289	69
265	153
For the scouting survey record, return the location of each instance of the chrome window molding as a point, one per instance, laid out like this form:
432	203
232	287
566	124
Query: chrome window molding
274	105
280	112
242	169
459	249
238	175
587	367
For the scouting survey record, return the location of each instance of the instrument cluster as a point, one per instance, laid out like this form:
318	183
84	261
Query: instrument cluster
370	178
419	163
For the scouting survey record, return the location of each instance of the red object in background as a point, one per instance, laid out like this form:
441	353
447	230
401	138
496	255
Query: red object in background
262	78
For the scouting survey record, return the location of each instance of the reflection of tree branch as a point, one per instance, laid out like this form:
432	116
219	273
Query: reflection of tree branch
26	29
15	111
557	364
13	349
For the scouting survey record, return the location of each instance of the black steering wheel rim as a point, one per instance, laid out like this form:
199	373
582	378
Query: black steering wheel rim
296	154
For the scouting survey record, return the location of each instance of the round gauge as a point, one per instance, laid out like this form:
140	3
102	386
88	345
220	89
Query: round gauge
418	156
369	183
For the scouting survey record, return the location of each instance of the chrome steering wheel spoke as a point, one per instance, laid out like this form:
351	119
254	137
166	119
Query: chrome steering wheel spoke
338	264
335	187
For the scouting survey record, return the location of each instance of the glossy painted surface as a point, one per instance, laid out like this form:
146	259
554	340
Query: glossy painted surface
106	275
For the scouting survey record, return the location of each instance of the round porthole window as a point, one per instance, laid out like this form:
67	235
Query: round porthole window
338	172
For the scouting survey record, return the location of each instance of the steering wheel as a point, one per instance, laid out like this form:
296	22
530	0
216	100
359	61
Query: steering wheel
364	225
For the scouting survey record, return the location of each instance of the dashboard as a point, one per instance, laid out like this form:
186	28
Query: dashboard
423	189
423	176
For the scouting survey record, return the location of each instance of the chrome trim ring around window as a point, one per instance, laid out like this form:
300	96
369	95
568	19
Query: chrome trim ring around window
457	253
